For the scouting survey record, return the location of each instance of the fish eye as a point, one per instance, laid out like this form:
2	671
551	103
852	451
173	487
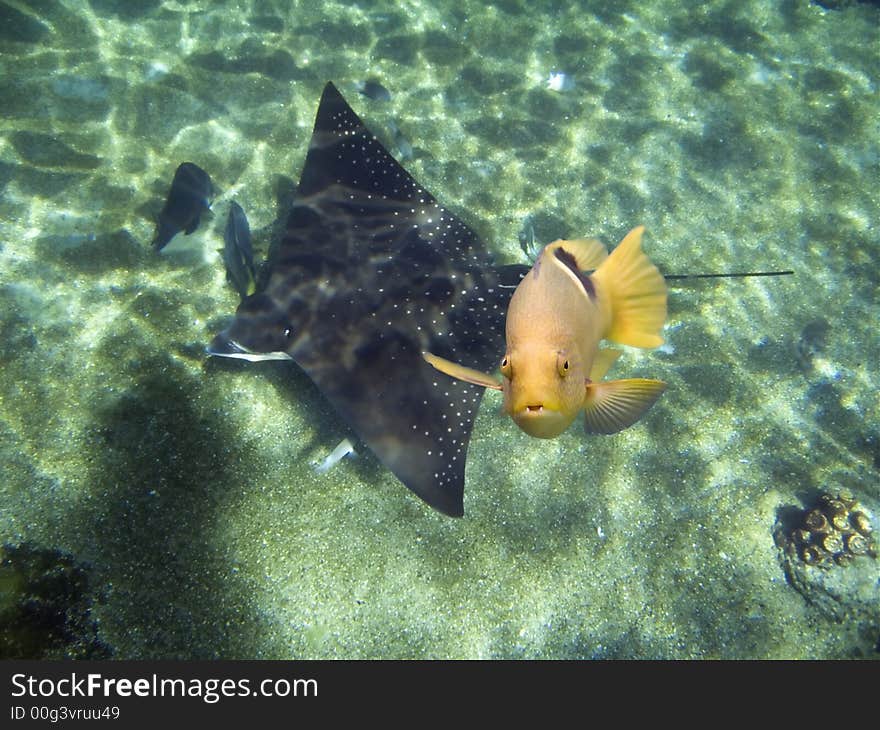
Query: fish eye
562	365
505	366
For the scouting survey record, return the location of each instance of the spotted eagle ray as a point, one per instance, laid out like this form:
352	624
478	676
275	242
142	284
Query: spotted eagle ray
371	272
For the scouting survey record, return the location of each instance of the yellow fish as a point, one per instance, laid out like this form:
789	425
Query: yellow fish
553	365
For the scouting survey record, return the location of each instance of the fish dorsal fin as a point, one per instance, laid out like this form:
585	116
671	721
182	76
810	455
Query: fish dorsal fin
588	253
454	370
614	405
634	291
605	358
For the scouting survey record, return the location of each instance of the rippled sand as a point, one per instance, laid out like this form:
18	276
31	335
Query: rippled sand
743	135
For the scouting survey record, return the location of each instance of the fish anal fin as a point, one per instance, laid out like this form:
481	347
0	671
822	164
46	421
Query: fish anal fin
635	294
614	405
588	253
605	358
454	370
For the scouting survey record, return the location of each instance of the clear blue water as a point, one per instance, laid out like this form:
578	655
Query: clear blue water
742	135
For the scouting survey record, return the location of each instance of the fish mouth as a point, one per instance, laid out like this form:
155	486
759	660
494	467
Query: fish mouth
536	413
537	419
534	410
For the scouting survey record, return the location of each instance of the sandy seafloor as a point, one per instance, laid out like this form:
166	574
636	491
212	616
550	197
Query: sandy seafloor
744	135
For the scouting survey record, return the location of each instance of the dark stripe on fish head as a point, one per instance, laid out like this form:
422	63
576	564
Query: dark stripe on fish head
569	260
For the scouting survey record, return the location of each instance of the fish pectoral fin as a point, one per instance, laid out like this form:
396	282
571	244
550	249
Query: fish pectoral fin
614	405
193	224
605	358
469	375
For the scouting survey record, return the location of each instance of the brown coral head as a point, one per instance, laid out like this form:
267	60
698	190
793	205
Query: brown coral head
833	543
840	520
856	544
815	521
861	523
834	505
811	555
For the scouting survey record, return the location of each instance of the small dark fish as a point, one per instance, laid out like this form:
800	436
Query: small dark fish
526	237
190	194
238	254
373	89
812	341
404	148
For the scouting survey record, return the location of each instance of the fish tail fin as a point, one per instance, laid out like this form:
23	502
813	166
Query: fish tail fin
634	294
